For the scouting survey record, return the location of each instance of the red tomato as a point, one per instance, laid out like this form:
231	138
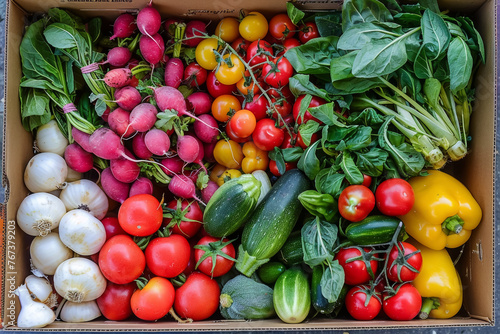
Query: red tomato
282	106
278	73
154	301
120	259
290	43
209	248
112	227
315	102
356	202
394	197
281	27
356	271
192	261
266	135
230	133
140	215
168	256
114	303
258	52
258	106
215	88
243	123
403	263
404	305
198	297
367	180
357	305
240	45
184	217
308	31
273	168
195	75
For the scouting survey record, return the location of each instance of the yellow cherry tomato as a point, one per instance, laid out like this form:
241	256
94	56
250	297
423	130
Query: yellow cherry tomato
230	74
228	153
254	26
255	158
227	29
216	172
228	175
205	55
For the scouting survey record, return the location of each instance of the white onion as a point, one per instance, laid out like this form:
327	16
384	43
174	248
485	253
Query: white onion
73	175
82	232
49	138
80	312
33	314
45	172
79	280
39	213
48	252
39	288
86	195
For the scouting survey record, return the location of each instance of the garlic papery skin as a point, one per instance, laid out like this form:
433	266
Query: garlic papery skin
45	172
80	312
39	288
49	138
33	314
48	252
86	195
40	213
73	175
81	232
79	280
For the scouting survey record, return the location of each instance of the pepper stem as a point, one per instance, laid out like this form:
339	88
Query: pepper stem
453	224
428	304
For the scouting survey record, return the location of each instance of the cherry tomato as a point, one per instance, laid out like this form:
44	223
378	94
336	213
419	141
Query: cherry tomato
154	301
403	263
230	74
120	259
243	123
240	45
205	55
356	271
281	27
216	89
254	26
273	168
227	29
356	202
258	106
230	133
266	135
308	31
367	180
114	303
209	248
277	74
357	305
394	197
257	52
222	105
246	86
140	215
315	102
195	75
282	106
404	305
228	153
290	43
112	227
167	256
184	217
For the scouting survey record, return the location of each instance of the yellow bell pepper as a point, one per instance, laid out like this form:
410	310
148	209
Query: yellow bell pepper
255	158
444	213
438	283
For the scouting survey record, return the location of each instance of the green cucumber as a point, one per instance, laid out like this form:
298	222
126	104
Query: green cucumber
270	271
231	205
272	222
292	297
291	253
319	302
374	230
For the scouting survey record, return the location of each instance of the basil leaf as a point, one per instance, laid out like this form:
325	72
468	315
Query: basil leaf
332	281
341	67
371	162
329	24
435	34
328	181
351	171
460	64
356	85
408	20
307	130
301	85
309	162
294	13
292	154
314	56
362	34
304	105
361	11
369	117
277	156
326	114
360	139
318	239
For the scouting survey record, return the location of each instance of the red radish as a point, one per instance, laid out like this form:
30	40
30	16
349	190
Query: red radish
170	25
139	147
174	72
206	129
200	103
125	170
78	159
127	97
167	97
82	139
142	185
118	121
106	144
208	191
157	141
105	114
124	26
118	77
195	75
143	117
148	20
118	56
194	28
152	48
112	227
116	190
199	157
192	174
182	186
188	148
172	165
209	151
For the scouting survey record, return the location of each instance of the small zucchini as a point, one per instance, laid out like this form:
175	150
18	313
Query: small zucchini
319	302
374	230
291	253
292	296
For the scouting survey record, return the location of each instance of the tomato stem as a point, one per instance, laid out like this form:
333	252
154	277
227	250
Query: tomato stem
179	319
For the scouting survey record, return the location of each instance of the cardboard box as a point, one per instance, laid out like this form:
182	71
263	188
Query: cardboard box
477	170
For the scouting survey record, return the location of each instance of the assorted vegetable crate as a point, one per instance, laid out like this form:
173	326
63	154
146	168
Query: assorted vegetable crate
281	165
